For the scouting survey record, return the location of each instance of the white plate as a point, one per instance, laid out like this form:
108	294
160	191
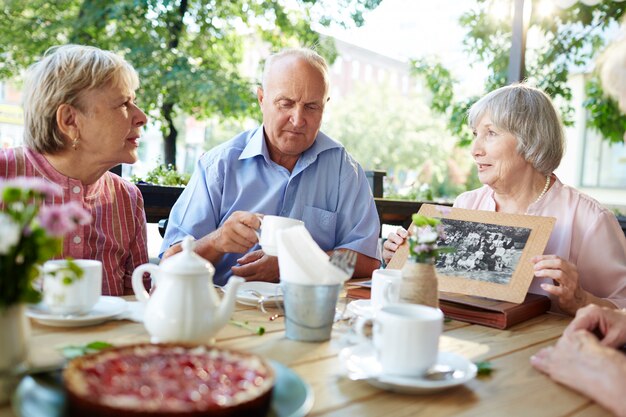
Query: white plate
361	359
271	291
362	308
105	308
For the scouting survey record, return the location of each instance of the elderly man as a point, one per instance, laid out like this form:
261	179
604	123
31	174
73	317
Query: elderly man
285	167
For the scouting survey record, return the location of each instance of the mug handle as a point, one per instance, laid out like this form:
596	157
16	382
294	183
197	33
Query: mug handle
360	324
258	231
390	292
140	291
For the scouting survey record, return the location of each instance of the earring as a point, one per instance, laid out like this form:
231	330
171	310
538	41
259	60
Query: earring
75	143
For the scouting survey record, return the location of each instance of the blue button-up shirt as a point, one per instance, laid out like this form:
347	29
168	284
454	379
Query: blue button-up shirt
327	190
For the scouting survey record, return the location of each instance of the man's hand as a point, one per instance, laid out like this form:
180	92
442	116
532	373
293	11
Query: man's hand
237	235
257	266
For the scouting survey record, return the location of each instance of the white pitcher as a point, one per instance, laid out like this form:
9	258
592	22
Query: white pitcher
184	307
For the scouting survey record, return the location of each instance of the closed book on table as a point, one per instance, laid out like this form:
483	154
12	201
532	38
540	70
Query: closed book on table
359	292
480	310
489	312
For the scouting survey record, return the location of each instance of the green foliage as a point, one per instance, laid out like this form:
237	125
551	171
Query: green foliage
440	83
31	235
386	130
187	53
164	175
565	40
604	113
425	233
18	264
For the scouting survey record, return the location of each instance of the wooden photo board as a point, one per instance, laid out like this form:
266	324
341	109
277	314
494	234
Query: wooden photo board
492	251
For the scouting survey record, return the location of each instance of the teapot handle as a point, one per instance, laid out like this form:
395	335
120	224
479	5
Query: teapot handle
140	291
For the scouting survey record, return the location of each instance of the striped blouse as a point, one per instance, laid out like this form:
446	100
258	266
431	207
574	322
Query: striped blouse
117	233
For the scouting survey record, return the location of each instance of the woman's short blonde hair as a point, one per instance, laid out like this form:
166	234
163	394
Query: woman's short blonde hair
528	114
612	70
61	77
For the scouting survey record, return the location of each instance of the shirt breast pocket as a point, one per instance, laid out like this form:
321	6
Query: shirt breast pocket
321	225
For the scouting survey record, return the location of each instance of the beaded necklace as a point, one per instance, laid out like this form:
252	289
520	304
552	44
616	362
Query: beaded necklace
543	192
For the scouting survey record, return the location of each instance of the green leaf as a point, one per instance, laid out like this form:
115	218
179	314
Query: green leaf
485	368
98	345
74	351
260	330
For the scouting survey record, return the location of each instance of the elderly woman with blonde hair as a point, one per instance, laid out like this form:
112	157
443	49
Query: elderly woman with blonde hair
80	120
519	142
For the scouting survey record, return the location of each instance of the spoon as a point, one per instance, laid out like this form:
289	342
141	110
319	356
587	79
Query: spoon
436	372
439	372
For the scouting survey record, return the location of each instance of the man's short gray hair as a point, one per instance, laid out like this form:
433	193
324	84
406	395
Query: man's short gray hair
310	56
529	115
61	77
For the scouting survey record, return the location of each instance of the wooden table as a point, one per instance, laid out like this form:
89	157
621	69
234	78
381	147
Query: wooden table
513	389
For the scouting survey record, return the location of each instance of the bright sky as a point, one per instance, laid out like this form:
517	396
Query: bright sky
404	29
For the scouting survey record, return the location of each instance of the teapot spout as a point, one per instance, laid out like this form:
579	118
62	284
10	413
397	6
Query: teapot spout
227	306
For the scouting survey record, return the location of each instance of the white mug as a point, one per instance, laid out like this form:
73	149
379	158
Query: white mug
405	338
63	293
270	225
385	287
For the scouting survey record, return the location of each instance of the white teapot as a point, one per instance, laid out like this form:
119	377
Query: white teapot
184	307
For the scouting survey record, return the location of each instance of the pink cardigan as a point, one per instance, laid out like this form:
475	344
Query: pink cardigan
585	233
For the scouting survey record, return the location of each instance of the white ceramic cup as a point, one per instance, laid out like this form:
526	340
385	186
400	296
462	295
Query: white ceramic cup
405	337
77	297
270	225
385	287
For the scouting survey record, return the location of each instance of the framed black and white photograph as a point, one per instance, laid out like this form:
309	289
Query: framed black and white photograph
492	251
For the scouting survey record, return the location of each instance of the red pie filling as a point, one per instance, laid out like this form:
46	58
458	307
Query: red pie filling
171	378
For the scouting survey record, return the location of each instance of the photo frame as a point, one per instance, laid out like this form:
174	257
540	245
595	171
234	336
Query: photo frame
492	251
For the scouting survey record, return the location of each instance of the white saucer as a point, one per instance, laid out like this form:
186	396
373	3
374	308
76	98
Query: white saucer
362	308
270	291
105	308
361	359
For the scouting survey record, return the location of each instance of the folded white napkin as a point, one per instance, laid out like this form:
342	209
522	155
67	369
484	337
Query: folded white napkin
133	312
302	261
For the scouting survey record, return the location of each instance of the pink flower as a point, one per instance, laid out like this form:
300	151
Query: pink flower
36	184
422	248
59	220
77	213
55	220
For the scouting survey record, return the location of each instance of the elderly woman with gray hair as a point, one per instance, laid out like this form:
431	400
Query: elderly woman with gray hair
519	143
586	358
80	120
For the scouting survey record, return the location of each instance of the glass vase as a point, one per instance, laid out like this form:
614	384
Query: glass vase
419	284
14	334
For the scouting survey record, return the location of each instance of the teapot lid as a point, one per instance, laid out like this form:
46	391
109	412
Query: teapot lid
187	262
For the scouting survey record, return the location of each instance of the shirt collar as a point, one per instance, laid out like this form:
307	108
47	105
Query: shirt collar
256	146
48	171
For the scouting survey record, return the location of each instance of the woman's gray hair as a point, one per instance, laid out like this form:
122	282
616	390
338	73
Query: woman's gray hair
529	115
612	70
309	55
62	76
